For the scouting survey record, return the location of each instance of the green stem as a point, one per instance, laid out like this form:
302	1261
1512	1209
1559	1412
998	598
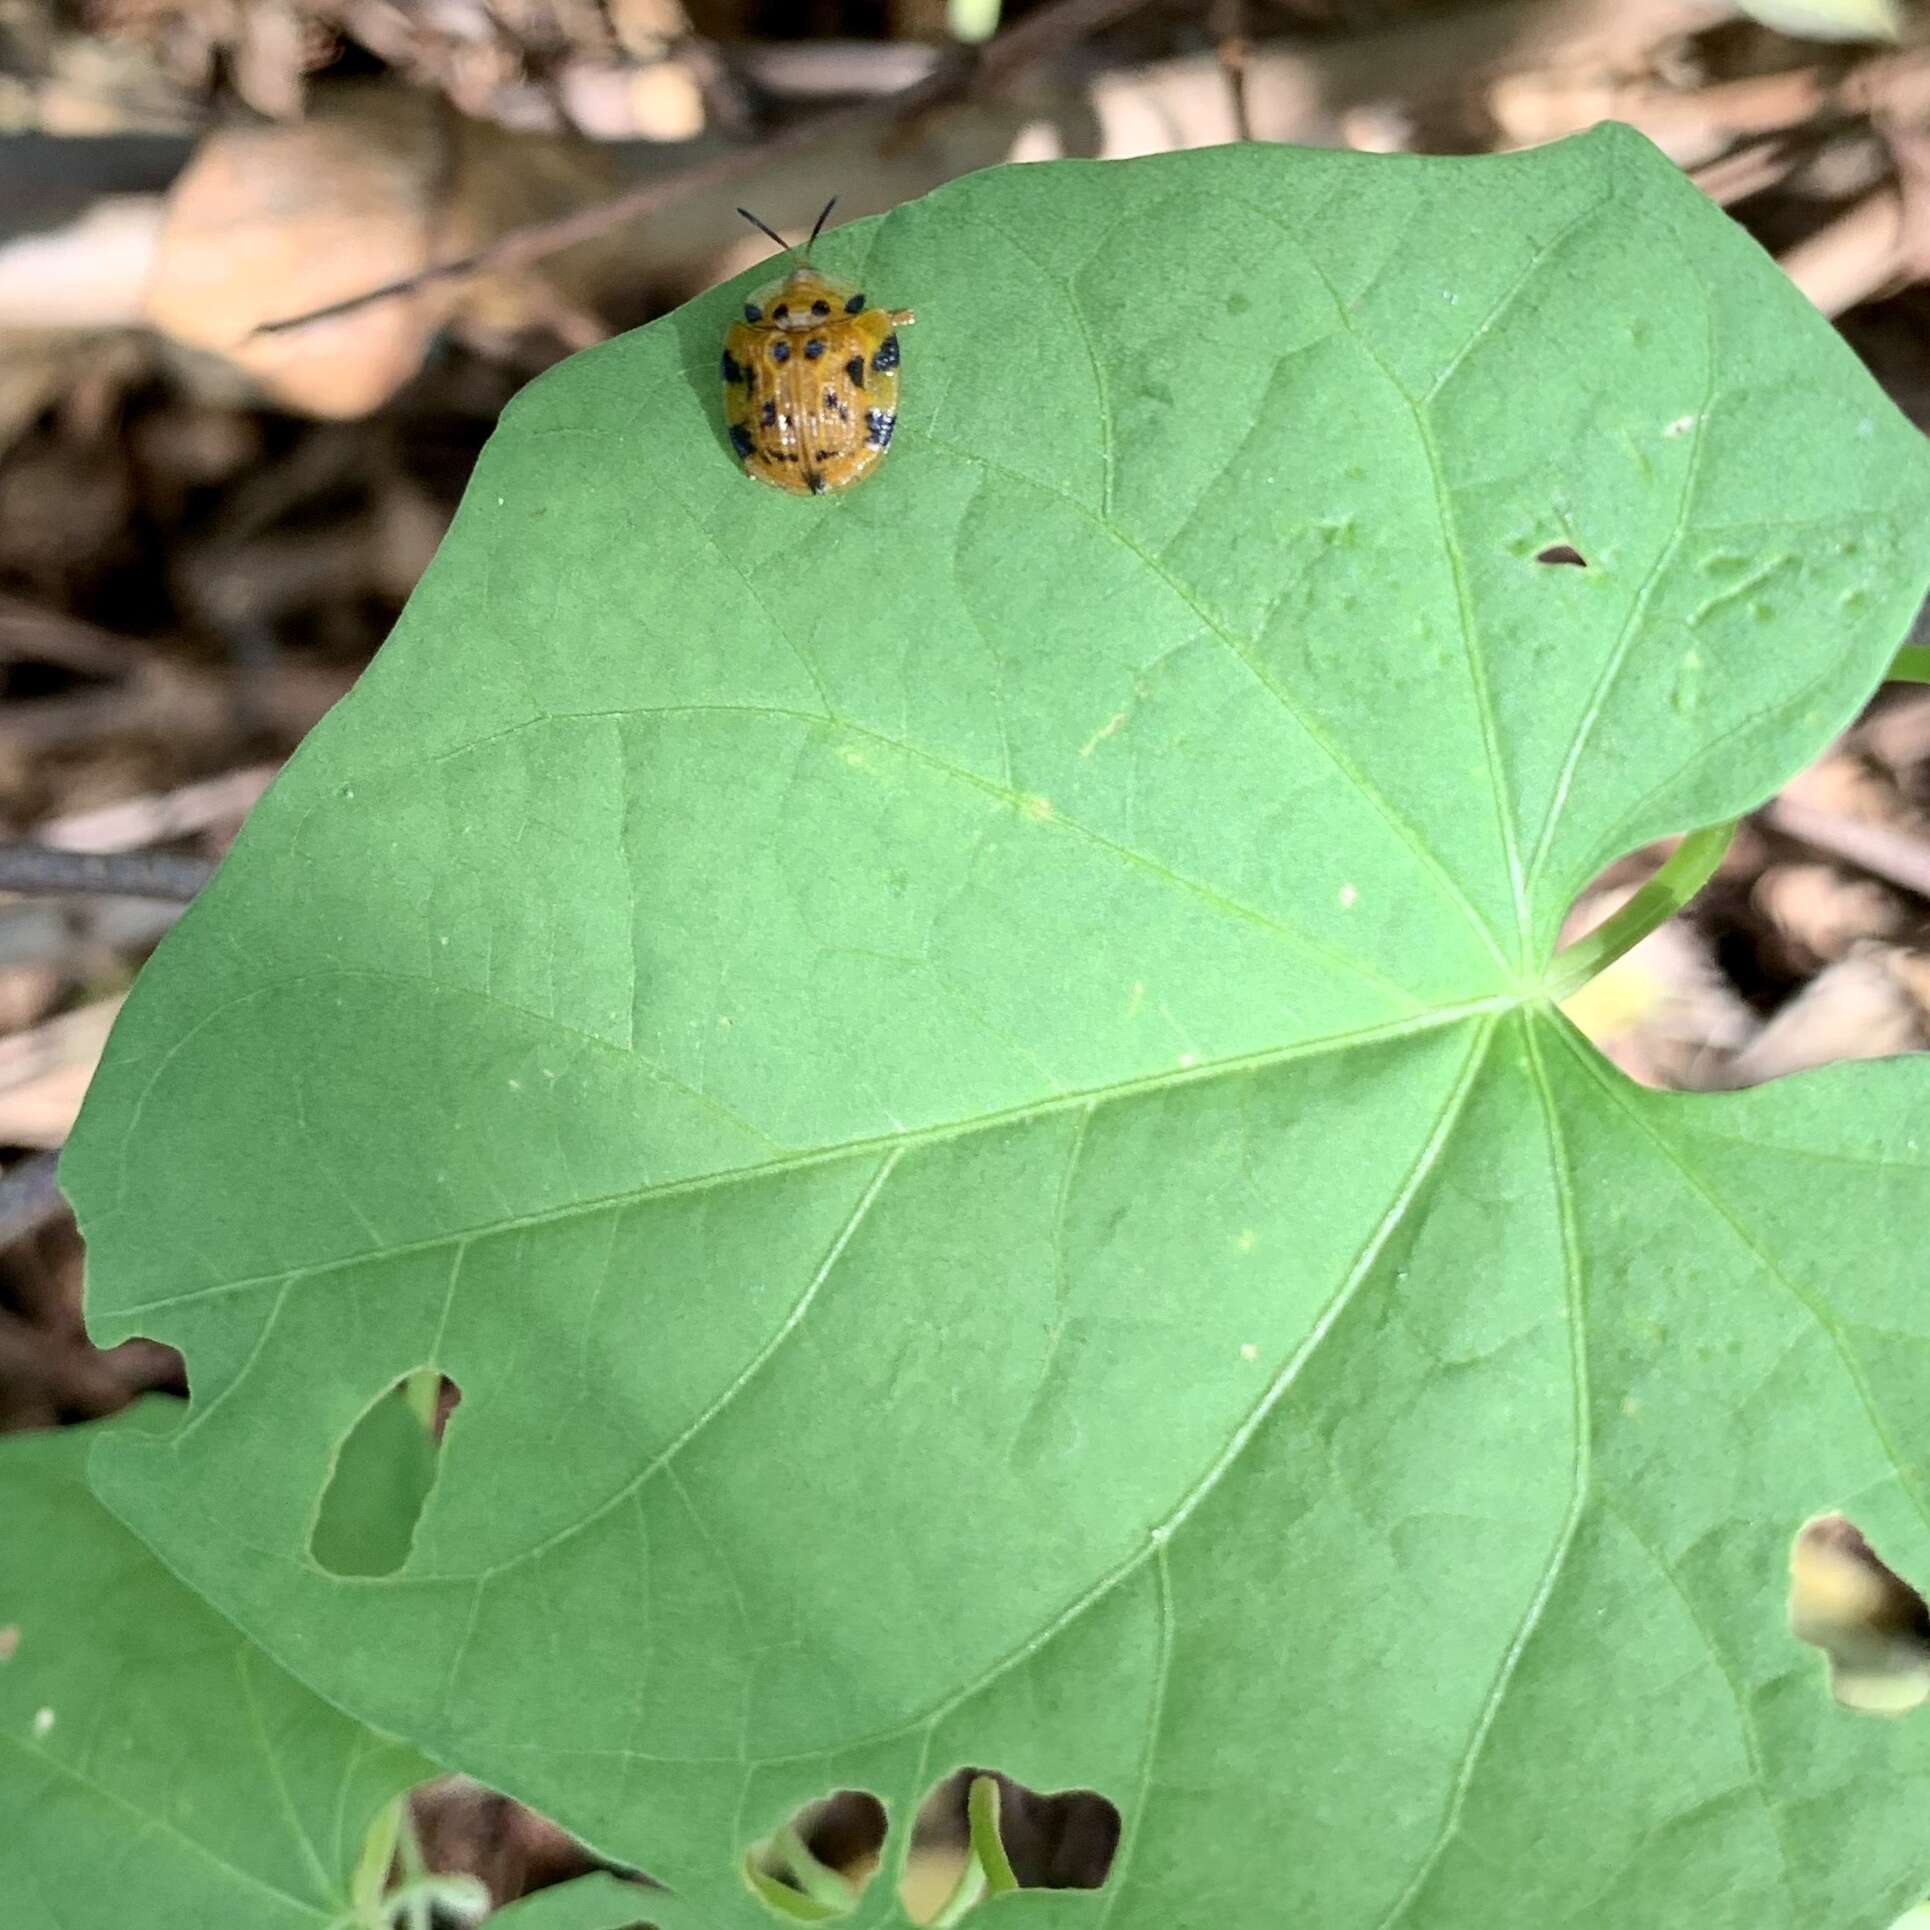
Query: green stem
1912	665
824	1886
982	1812
408	1904
791	1903
371	1879
1689	867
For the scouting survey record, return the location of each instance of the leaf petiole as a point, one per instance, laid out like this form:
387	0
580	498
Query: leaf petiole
988	1845
1687	869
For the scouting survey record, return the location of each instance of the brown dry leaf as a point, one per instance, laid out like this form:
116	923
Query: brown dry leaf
1898	735
44	1074
643	27
270	223
512	1850
28	992
1825	912
661	100
1865	1006
270	55
1845	785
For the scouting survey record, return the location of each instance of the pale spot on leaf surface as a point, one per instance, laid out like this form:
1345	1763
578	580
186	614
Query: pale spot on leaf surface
1109	728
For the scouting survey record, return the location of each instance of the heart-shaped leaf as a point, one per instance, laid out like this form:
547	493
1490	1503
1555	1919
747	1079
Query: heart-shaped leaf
156	1767
965	1077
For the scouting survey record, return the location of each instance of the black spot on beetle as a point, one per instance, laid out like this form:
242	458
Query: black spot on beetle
833	405
855	306
1562	553
740	439
824	455
886	358
854	371
814	482
879	424
752	313
814	348
733	368
820	308
780	311
780	351
770	415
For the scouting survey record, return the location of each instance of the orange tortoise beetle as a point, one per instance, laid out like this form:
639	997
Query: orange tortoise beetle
811	378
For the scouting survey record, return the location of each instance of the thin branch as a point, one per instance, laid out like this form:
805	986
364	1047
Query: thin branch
1230	44
1034	38
542	238
124	874
29	1198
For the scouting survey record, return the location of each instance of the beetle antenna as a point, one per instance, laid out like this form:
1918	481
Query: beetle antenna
817	227
772	232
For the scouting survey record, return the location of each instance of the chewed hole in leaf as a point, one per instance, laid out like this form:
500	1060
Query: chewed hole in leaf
384	1472
1562	553
976	1833
816	1866
463	1828
980	1832
1870	1623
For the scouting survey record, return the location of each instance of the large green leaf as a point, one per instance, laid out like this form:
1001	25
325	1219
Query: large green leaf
963	1077
155	1767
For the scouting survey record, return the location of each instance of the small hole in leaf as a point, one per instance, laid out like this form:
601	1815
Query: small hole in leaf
471	1834
979	1833
1873	1627
816	1867
382	1478
1562	553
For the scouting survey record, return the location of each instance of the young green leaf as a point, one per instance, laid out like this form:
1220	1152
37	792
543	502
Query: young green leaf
964	1075
155	1766
1829	19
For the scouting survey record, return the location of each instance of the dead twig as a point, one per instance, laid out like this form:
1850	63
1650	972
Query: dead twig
29	1197
32	633
543	238
127	874
1231	44
1043	33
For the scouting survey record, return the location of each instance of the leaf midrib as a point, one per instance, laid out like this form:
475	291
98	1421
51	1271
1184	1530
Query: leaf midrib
1432	1019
